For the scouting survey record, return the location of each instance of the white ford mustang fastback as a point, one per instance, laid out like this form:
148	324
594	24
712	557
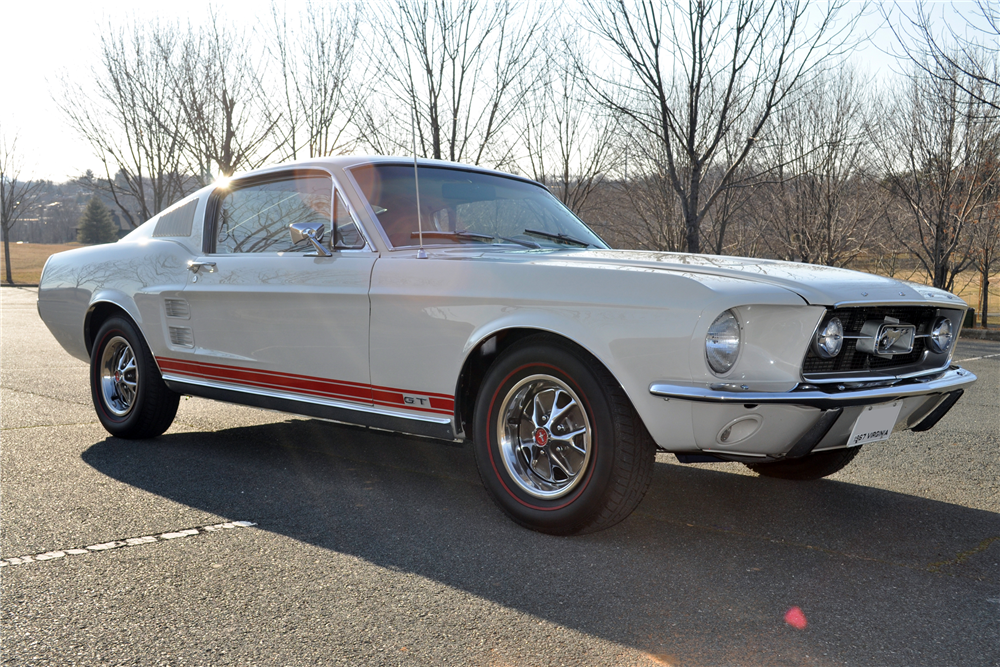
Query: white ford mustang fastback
477	307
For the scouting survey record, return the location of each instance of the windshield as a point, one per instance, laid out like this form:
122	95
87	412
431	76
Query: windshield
467	207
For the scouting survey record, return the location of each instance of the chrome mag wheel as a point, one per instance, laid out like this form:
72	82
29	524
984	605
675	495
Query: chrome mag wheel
119	379
544	436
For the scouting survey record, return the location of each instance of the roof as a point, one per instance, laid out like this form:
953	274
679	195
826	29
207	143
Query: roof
349	161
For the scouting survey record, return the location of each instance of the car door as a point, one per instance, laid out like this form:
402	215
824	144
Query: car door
272	317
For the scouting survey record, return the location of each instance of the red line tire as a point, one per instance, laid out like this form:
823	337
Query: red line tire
559	447
130	397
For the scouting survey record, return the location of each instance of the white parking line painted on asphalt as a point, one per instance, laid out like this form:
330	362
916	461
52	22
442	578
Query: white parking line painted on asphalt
127	542
987	356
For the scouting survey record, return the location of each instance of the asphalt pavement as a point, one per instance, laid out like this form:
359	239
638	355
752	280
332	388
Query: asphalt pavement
246	537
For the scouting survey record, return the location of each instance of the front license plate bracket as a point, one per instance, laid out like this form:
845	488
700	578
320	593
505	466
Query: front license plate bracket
875	423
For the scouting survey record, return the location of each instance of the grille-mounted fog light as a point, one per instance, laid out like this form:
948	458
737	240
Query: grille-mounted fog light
941	335
829	340
722	344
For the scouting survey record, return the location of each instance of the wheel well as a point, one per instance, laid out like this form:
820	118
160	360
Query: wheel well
478	363
98	314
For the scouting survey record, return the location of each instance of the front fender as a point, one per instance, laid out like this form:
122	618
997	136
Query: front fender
635	341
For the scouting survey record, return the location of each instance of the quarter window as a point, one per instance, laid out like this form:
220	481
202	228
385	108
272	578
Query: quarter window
348	235
254	217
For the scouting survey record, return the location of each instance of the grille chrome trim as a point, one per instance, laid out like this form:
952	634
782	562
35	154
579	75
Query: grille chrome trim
948	381
861	377
856	363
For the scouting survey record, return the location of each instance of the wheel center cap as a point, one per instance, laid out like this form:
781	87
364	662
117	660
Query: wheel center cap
541	437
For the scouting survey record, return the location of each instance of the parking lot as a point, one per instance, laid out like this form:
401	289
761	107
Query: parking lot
245	537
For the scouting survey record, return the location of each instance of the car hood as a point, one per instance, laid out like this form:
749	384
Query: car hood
817	285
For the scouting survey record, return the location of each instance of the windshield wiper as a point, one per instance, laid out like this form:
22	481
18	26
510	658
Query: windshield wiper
562	238
461	234
526	244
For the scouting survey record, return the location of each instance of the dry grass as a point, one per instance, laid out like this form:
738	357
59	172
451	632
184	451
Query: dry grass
966	286
28	259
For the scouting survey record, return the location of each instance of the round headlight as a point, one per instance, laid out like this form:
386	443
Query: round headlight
941	335
722	344
829	339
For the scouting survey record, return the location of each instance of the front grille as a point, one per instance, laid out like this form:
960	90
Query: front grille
850	360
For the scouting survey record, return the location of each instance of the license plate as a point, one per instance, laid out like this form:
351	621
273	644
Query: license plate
874	423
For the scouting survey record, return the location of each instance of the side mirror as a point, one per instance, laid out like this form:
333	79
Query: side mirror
312	232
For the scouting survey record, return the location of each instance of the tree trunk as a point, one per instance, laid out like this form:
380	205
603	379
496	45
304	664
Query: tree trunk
985	292
6	253
691	218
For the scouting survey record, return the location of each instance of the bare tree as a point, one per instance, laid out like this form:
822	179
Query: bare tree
986	254
694	74
731	206
935	155
321	91
457	67
132	120
644	212
219	83
569	143
17	197
986	235
823	203
966	56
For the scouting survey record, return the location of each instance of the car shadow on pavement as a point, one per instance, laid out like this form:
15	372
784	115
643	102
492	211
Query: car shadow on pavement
706	568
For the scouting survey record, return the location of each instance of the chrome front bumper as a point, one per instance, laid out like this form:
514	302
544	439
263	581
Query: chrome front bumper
927	399
824	397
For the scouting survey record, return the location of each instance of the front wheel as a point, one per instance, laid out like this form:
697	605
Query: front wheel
130	397
814	466
559	446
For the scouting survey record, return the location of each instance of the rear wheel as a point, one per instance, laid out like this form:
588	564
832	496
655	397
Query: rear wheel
130	397
558	444
814	466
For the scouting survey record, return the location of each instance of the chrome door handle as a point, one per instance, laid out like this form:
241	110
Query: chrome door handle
195	267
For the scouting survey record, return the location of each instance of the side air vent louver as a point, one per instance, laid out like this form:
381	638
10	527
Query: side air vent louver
176	222
177	308
181	336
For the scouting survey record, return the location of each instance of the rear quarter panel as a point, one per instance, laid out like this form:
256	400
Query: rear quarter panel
132	274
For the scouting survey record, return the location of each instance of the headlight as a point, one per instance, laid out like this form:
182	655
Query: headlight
829	339
722	344
941	335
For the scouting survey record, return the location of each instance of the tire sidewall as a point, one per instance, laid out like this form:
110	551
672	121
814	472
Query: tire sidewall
566	514
116	425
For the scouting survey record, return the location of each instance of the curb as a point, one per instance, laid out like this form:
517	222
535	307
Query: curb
19	285
980	334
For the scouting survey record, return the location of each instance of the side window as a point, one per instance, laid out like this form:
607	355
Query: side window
255	217
348	234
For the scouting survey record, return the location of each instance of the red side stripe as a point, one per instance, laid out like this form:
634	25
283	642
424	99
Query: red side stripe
265	379
312	386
